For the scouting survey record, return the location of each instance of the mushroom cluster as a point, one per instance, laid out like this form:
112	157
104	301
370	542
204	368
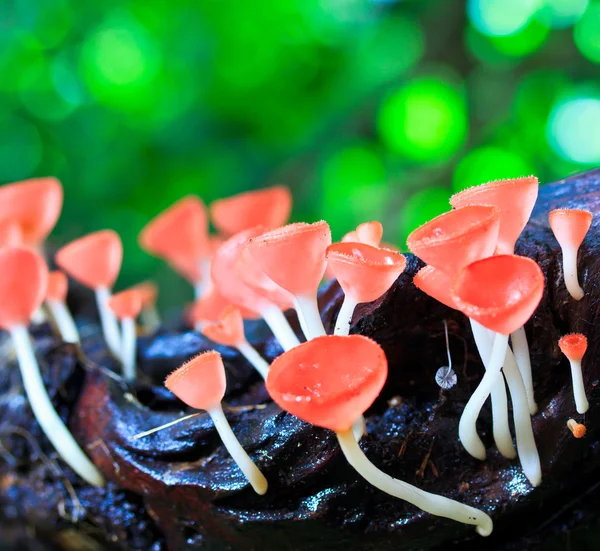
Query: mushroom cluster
259	266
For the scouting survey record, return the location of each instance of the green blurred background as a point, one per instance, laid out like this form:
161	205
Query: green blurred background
367	109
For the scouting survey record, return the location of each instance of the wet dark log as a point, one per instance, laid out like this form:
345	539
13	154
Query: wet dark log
179	490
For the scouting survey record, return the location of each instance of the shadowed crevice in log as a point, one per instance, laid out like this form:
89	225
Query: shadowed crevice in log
193	495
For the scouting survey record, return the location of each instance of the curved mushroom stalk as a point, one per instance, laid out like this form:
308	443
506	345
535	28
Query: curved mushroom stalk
574	347
56	295
430	503
520	349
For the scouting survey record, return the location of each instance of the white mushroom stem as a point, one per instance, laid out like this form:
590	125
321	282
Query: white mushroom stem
129	345
581	401
344	318
430	503
200	325
254	358
110	327
63	320
150	318
521	351
467	429
526	447
280	327
359	428
500	426
239	455
309	316
46	415
38	317
570	272
202	284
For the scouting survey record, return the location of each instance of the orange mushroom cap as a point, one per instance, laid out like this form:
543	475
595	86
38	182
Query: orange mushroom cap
200	383
180	232
573	346
94	260
579	430
436	284
23	281
34	205
148	292
500	292
126	304
58	286
364	272
457	238
227	279
570	226
257	280
293	256
10	234
329	381
514	200
269	207
228	329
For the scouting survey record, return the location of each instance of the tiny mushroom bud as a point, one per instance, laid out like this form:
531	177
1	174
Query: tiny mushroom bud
34	205
229	331
56	296
293	256
364	273
23	281
570	226
149	315
576	428
200	383
230	284
268	207
501	293
331	381
179	235
574	347
127	306
95	261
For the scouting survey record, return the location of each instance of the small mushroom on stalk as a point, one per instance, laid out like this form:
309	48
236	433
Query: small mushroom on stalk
570	226
127	306
268	207
330	381
501	293
56	296
574	347
514	199
200	383
364	273
229	283
95	261
149	315
23	280
179	235
577	429
293	256
34	205
228	330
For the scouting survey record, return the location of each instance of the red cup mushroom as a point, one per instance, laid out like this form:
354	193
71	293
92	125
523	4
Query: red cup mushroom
574	347
127	306
330	381
200	383
95	261
23	281
501	293
570	226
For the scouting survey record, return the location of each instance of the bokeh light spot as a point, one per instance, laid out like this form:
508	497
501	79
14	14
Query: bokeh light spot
501	18
489	163
587	33
525	41
572	130
426	120
563	13
421	207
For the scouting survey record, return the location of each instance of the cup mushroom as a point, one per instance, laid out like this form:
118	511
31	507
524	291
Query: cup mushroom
127	306
200	383
95	261
330	381
574	347
23	281
577	429
570	226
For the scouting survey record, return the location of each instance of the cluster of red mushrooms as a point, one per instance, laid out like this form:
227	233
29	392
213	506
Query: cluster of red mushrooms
257	266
